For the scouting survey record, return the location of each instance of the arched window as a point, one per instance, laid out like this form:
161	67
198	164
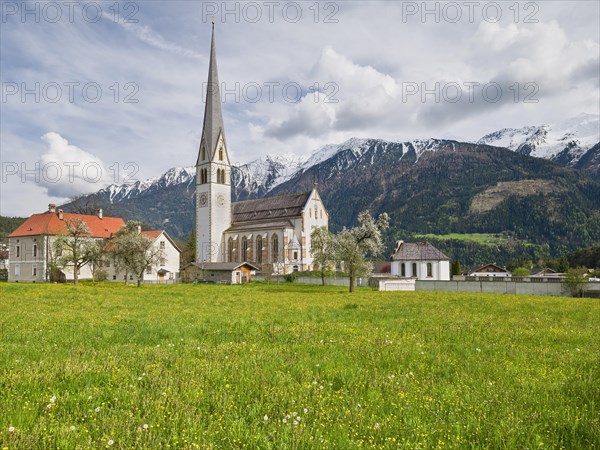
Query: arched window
203	153
429	270
402	270
275	249
230	250
259	249
244	248
414	269
220	153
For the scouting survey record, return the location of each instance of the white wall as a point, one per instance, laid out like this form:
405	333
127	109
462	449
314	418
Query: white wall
440	270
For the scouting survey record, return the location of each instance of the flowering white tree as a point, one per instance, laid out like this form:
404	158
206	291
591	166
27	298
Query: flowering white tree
322	250
353	246
134	252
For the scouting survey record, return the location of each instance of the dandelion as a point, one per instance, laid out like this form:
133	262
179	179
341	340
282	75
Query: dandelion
72	428
305	410
11	429
478	349
266	417
295	422
111	442
90	397
49	405
97	409
298	418
145	426
284	420
53	399
294	414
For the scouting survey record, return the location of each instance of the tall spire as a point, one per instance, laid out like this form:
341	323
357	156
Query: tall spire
213	115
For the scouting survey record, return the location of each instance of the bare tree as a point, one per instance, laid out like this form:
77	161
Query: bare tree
76	247
352	246
134	252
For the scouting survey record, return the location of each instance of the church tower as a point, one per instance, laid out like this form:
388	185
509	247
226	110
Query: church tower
213	174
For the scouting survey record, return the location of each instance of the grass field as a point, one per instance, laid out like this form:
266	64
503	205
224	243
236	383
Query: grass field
299	367
484	239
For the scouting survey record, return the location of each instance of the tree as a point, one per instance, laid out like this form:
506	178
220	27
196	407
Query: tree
75	247
322	250
134	253
456	269
352	246
520	272
575	281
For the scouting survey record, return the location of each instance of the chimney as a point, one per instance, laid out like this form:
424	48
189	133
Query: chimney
139	230
51	207
100	213
60	214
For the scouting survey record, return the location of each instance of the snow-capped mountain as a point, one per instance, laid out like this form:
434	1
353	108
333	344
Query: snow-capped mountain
564	142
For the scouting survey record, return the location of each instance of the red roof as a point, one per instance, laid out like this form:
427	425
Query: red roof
49	224
152	234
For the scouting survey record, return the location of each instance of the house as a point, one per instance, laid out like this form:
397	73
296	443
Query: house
270	233
421	260
545	273
229	273
31	245
165	271
490	270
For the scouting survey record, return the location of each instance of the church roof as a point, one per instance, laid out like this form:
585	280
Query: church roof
224	266
280	207
417	252
254	226
213	116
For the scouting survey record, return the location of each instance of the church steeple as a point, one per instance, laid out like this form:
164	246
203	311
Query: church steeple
213	174
213	116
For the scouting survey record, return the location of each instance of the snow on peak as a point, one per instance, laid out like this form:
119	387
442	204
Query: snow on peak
578	134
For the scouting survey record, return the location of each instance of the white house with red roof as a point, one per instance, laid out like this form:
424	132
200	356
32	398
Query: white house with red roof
32	252
31	246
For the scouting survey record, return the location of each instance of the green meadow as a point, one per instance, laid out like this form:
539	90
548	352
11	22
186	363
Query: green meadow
263	366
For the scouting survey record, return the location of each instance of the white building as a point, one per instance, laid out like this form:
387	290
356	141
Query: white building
421	261
490	270
33	254
31	246
166	270
271	233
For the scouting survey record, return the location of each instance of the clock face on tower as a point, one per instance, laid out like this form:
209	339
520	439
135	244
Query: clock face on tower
220	200
203	199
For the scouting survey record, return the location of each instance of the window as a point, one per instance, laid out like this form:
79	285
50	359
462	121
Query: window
162	261
414	269
220	153
295	256
17	270
244	249
316	210
295	269
321	214
18	251
230	250
114	277
203	153
148	270
259	249
34	270
402	270
162	244
275	248
429	270
35	250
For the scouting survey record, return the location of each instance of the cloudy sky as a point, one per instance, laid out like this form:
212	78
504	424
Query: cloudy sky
95	92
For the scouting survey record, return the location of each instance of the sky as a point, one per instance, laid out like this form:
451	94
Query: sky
95	93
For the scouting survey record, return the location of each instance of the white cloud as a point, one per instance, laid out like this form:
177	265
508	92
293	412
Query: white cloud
66	170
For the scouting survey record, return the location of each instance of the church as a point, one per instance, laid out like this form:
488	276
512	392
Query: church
271	234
